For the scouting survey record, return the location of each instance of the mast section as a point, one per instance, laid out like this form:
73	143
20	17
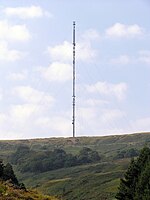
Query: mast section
74	78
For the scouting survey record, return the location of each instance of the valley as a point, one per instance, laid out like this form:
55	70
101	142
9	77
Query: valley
95	180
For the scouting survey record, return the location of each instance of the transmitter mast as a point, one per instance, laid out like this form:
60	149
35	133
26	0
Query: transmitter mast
74	78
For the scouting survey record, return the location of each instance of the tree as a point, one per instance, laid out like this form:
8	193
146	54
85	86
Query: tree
1	168
59	158
143	186
8	174
87	155
21	152
70	161
136	182
129	153
127	185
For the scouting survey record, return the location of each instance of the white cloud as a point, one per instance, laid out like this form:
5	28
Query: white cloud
59	125
9	33
88	113
95	102
57	71
121	60
19	121
30	121
111	115
85	53
2	118
90	34
22	112
20	76
1	94
144	56
61	57
21	118
142	124
6	128
63	52
109	89
122	30
26	12
102	121
7	54
33	96
13	32
10	135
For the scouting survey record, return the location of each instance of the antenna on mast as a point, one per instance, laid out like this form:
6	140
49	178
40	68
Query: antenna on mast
73	95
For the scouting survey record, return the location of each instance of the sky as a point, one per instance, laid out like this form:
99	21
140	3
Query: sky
112	67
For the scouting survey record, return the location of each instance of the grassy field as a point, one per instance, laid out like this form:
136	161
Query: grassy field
93	181
87	182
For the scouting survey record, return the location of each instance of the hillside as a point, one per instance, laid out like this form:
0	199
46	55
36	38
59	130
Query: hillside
107	145
95	181
9	191
11	188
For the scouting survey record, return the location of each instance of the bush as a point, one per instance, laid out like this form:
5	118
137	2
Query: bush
32	161
129	153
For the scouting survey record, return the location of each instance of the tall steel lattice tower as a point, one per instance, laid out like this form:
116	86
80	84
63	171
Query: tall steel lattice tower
74	78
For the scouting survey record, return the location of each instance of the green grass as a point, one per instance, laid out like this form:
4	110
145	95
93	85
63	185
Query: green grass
87	182
93	181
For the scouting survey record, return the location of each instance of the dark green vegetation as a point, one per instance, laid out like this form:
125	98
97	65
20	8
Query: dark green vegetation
92	180
11	189
136	182
32	161
7	174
